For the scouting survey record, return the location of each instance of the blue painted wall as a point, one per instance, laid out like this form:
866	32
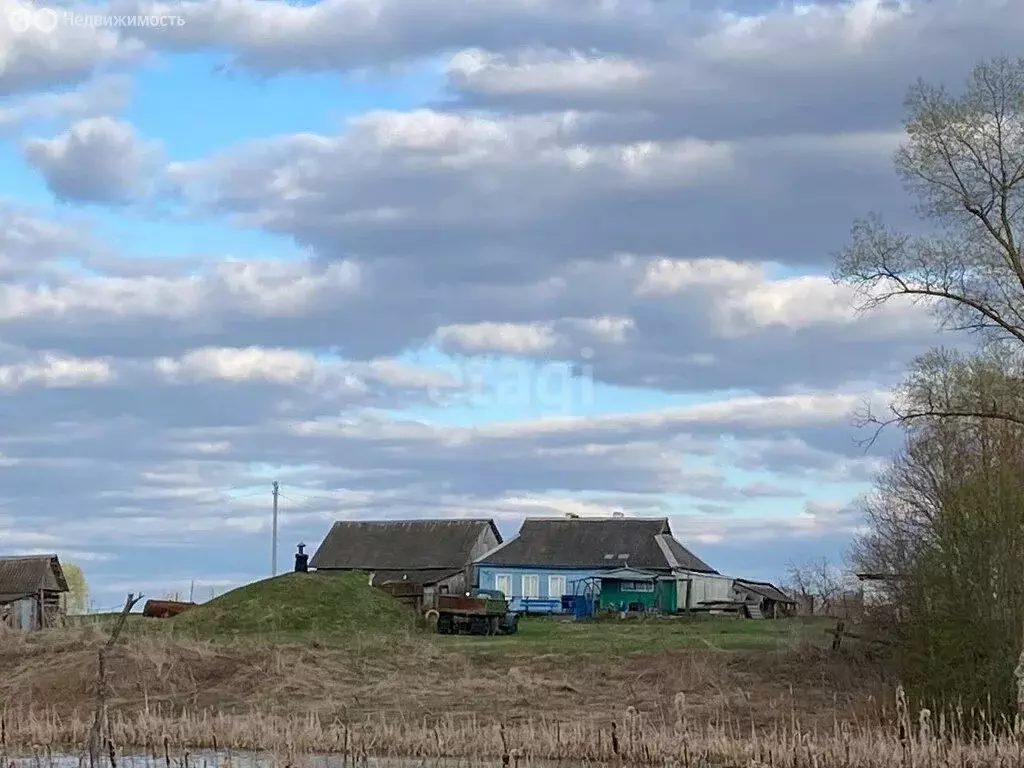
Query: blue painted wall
487	576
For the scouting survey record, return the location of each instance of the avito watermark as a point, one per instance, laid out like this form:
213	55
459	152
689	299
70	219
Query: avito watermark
556	388
48	19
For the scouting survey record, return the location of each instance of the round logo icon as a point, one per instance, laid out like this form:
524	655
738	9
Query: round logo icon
21	20
46	20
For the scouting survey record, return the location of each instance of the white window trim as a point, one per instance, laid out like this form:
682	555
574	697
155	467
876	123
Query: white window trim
534	581
497	584
564	585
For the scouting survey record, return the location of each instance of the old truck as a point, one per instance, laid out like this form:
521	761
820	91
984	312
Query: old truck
480	612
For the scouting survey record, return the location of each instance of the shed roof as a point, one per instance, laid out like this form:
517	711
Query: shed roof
584	542
400	545
765	589
629	574
23	575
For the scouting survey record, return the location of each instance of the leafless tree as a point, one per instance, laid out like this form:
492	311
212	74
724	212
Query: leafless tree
819	585
963	160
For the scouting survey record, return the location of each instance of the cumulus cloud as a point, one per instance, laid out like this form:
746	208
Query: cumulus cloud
588	277
55	371
342	35
32	58
98	160
496	338
102	95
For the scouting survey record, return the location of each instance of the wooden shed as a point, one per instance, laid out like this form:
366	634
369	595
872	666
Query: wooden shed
31	587
763	599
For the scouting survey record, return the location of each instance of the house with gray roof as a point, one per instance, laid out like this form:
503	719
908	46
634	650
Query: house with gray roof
432	555
616	563
31	591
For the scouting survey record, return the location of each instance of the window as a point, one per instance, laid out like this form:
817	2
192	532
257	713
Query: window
531	585
503	583
556	587
638	586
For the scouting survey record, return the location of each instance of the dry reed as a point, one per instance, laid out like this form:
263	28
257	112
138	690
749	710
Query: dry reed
632	739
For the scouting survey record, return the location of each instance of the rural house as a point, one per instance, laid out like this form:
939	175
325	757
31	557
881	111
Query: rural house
557	565
876	587
414	559
31	591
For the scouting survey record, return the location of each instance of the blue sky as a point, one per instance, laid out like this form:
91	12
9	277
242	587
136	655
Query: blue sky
293	244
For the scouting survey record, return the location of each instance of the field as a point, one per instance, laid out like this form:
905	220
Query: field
288	662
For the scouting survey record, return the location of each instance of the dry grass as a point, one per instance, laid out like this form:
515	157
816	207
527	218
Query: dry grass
631	739
418	675
415	696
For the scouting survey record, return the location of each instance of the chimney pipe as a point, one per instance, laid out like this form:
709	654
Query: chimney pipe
301	560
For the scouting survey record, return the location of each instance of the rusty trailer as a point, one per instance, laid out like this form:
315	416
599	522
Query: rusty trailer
165	609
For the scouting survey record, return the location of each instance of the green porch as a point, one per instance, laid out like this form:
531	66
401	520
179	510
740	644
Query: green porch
628	589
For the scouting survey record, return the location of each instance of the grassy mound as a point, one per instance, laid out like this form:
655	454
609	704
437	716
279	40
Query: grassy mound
326	606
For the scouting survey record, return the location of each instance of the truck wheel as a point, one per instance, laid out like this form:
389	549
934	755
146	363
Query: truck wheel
444	625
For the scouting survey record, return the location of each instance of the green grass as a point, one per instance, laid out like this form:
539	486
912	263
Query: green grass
622	637
333	607
342	610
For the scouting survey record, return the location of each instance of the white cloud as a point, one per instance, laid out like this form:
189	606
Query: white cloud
803	302
603	193
103	95
257	288
98	159
67	54
496	338
56	371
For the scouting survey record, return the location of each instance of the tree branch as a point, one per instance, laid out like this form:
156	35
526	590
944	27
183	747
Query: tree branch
100	720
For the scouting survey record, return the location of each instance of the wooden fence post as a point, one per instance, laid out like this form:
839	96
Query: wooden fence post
837	634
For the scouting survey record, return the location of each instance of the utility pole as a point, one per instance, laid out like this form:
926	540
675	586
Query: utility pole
273	555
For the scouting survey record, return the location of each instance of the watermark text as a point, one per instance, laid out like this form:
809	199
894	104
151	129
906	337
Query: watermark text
48	19
556	388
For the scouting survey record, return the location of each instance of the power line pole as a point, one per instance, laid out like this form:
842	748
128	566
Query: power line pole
273	555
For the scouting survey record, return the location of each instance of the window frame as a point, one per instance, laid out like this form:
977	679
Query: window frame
534	580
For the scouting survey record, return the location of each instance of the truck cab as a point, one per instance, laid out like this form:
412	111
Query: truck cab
510	621
478	612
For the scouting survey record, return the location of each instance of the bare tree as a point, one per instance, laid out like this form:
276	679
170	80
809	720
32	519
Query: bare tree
798	582
819	584
963	160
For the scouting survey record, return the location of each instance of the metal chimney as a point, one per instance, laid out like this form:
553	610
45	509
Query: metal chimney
301	560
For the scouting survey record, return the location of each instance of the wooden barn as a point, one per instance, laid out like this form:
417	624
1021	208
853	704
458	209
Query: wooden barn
31	588
415	560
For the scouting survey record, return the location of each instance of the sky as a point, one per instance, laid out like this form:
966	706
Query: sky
447	258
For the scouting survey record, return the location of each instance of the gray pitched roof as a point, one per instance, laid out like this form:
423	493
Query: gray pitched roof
587	542
400	545
765	589
27	574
